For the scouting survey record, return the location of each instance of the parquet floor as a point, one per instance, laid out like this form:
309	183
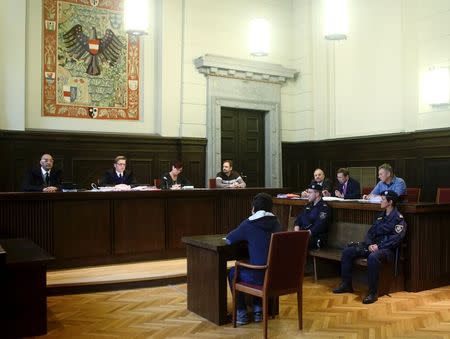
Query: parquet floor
160	312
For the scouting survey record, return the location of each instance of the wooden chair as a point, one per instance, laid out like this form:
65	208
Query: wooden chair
283	273
157	182
212	183
413	194
443	195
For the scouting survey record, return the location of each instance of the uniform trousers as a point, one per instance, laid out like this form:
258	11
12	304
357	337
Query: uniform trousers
374	261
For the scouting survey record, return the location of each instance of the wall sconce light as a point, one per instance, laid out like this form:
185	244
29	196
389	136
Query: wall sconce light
136	17
335	19
258	38
437	86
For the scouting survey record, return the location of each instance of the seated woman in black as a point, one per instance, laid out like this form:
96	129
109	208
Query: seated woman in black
174	179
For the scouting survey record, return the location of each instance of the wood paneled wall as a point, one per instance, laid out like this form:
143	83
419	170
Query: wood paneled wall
85	157
421	158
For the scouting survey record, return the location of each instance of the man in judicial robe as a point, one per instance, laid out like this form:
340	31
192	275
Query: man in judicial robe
118	176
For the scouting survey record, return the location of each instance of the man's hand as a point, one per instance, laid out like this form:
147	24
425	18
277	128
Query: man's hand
176	187
373	248
326	193
338	194
50	189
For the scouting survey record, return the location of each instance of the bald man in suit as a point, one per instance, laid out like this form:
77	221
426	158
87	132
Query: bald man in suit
43	178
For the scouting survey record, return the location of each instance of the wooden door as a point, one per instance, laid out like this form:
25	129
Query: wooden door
243	143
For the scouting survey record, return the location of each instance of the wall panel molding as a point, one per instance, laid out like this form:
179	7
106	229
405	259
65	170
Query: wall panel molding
421	158
85	157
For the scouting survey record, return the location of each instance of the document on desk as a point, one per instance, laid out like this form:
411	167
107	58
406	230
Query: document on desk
374	200
333	199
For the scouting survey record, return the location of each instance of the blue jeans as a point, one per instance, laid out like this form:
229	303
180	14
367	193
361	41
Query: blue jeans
247	277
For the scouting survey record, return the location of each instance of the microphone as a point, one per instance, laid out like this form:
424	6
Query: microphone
167	182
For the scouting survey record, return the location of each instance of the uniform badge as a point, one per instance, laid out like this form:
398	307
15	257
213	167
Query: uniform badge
398	228
322	215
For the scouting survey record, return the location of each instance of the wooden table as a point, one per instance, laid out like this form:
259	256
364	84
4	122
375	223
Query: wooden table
207	257
23	289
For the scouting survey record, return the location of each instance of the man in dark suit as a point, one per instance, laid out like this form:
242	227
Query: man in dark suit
118	176
44	178
321	180
348	188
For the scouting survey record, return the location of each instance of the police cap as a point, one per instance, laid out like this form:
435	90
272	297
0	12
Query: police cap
390	195
315	186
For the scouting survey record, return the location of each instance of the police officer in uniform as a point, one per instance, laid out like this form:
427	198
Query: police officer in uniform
379	246
315	217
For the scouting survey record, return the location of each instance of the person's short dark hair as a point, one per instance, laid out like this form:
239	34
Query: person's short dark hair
228	161
262	202
390	196
118	158
177	164
344	171
315	186
388	168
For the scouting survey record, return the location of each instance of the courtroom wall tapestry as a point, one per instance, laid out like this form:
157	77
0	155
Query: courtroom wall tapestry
90	65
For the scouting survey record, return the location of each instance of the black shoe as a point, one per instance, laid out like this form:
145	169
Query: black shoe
343	288
370	298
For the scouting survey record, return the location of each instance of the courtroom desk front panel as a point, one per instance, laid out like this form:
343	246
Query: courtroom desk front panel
427	253
23	295
89	228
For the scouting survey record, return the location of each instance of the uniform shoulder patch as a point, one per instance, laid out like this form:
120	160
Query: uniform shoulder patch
398	228
323	215
400	216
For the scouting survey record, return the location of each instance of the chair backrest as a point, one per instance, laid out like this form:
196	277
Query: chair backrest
286	260
212	183
366	190
157	182
443	195
413	194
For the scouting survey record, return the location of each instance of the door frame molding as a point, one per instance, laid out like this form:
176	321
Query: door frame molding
244	84
272	141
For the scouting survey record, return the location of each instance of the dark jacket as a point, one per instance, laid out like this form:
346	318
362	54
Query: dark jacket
387	231
315	218
353	189
167	182
257	233
34	182
110	178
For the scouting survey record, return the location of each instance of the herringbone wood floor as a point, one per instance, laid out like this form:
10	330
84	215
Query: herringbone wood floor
161	313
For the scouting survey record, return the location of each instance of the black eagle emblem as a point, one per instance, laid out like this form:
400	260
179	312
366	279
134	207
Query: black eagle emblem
94	50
